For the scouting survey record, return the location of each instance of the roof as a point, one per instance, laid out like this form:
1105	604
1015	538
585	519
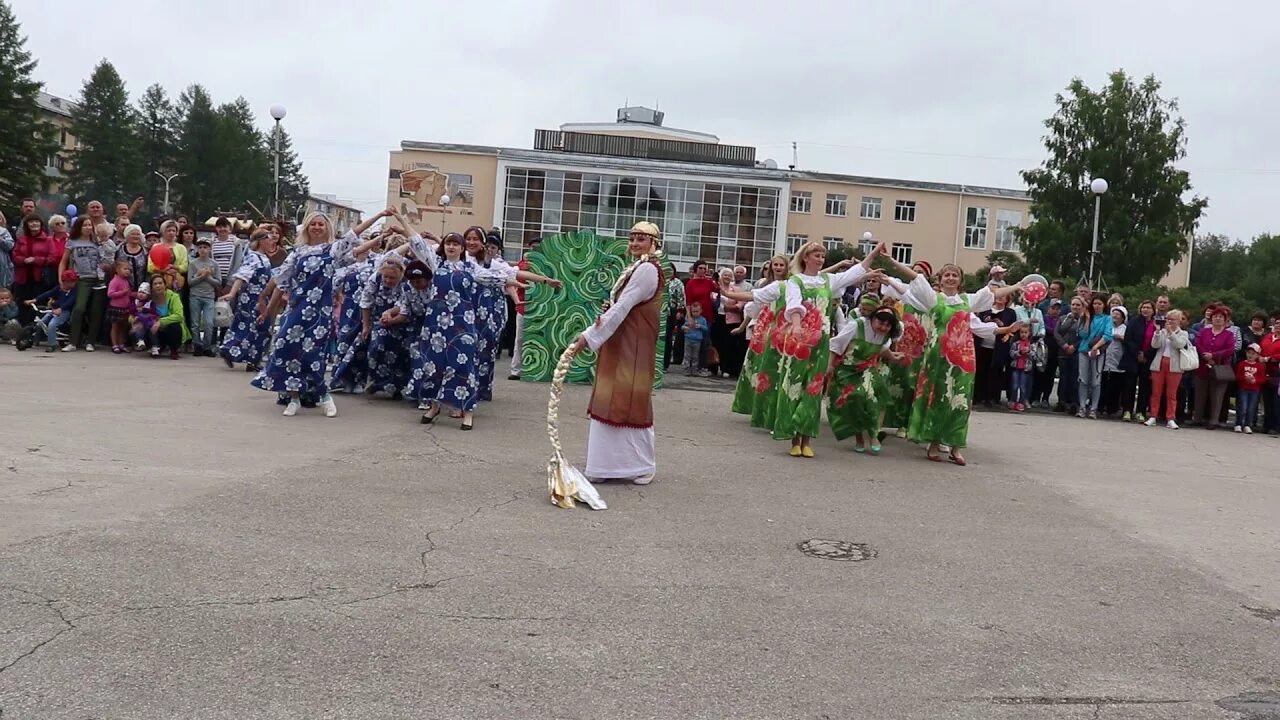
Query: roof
603	162
55	104
328	200
621	128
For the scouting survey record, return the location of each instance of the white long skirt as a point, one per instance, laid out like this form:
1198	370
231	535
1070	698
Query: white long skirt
619	452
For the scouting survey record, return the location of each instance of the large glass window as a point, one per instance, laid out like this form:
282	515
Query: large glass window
1007	224
870	208
975	228
721	223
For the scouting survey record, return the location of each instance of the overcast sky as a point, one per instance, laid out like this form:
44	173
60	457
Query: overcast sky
944	91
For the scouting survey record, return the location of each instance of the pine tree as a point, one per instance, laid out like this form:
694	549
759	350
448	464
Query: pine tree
106	163
197	148
243	171
26	141
157	142
294	185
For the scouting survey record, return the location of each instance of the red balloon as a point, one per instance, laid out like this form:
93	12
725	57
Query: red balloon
1035	292
161	256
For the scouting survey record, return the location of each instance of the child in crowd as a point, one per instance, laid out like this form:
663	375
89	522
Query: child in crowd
59	304
144	317
1023	368
695	334
203	280
1251	376
1114	365
10	328
120	305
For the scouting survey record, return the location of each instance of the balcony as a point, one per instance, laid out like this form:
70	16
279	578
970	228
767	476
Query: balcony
644	148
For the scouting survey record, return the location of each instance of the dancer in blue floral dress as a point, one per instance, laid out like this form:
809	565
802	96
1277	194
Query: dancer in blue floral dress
247	339
443	357
386	339
347	335
297	362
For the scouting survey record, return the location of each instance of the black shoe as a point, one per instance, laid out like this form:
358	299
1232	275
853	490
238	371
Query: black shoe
250	367
513	376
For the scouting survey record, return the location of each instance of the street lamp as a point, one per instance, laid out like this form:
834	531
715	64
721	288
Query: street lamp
167	180
1099	187
278	112
444	212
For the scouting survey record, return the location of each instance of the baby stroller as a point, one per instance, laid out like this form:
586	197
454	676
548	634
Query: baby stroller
36	334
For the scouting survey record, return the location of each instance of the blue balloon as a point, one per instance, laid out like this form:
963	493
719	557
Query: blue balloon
71	210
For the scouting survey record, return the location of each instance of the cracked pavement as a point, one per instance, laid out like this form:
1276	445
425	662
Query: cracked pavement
195	555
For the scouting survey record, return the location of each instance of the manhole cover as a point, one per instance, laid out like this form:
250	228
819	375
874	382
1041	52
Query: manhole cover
1253	705
836	550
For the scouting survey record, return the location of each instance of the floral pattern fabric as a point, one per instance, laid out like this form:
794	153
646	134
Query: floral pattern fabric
859	387
744	394
802	363
300	348
246	339
491	320
443	356
347	324
944	387
387	354
916	336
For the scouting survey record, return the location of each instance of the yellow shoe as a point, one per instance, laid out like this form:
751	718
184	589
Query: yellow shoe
807	451
795	451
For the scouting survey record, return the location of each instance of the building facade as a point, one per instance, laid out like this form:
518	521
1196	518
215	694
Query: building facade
712	201
57	112
344	216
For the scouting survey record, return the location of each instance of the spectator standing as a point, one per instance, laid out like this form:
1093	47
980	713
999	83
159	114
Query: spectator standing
203	280
35	264
1162	310
6	254
698	289
1252	333
1022	366
1005	319
696	331
1137	340
522	303
1071	327
84	258
15	224
1055	292
1091	351
135	253
1167	368
674	342
1216	345
1118	369
120	305
1270	347
1251	377
1044	375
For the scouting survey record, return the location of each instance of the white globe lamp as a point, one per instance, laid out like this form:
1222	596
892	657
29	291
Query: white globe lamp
278	112
867	236
1098	186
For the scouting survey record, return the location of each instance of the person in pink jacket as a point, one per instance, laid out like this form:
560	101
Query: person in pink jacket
1217	347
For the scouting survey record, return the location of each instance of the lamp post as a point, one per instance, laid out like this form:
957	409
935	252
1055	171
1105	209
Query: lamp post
278	112
444	212
167	180
1099	187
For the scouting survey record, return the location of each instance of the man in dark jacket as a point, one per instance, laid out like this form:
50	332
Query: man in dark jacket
1068	334
1137	340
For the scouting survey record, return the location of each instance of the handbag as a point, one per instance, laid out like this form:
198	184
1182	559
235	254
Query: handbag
1224	373
713	356
1188	359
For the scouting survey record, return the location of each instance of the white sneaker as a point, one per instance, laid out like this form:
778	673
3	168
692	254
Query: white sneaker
1239	429
68	348
140	345
1151	422
902	433
1171	425
642	480
1248	430
155	352
291	409
88	347
330	407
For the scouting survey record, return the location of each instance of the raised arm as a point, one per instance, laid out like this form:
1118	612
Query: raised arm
359	229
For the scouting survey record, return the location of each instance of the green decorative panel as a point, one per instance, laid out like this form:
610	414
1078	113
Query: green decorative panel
589	265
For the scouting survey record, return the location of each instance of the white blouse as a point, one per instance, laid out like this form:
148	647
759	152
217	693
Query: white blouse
640	288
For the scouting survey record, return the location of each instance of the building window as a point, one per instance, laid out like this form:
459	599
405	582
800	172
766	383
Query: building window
901	252
794	242
904	211
870	208
1007	224
975	228
801	201
832	242
866	246
837	205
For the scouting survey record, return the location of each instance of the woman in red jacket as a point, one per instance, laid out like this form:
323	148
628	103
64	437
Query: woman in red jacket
698	288
35	264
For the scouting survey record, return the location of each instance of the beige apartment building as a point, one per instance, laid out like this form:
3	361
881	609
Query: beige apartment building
713	201
57	112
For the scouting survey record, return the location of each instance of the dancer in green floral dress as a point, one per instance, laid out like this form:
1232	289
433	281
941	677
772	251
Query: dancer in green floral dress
798	343
915	337
944	389
859	377
761	318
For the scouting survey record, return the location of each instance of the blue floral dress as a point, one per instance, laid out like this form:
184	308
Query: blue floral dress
387	356
443	357
491	320
346	326
297	362
246	340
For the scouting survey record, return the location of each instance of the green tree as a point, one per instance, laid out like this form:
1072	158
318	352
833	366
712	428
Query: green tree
1260	281
1217	257
243	170
1129	135
26	141
106	161
294	185
157	142
197	151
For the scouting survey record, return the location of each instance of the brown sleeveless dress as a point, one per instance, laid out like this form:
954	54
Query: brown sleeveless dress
623	391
